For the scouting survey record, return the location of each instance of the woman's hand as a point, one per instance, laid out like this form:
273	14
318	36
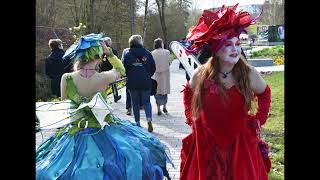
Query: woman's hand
105	48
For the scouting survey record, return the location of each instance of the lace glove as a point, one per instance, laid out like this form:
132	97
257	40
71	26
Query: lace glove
116	63
264	101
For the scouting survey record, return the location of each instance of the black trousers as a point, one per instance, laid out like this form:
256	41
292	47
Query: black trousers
116	96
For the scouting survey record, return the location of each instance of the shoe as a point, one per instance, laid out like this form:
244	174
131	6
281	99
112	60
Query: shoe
116	99
165	110
150	128
159	113
138	124
129	112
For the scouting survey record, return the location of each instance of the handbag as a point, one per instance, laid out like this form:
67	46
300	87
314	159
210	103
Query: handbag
263	147
154	87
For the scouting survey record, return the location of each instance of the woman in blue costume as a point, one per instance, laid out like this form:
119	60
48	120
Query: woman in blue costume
91	147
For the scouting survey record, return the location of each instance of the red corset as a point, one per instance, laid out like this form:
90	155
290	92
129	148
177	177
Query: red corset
223	118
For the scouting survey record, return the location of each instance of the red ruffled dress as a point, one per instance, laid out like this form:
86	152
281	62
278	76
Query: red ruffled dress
221	146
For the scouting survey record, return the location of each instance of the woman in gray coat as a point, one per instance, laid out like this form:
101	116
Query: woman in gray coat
161	57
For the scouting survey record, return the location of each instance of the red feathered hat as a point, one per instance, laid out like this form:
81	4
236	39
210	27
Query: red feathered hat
214	28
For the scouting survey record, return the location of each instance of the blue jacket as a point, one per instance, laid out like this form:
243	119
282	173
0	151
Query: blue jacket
140	66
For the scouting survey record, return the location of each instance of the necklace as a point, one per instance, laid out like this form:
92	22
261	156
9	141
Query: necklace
86	72
225	74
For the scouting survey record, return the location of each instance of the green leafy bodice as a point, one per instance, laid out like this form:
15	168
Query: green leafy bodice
79	124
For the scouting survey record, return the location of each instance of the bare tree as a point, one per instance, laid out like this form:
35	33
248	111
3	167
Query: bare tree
75	12
132	16
161	10
145	18
91	16
273	12
46	12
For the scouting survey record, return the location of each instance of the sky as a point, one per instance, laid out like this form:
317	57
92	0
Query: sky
206	4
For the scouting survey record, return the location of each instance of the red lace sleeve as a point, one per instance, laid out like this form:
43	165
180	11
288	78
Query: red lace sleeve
187	95
264	101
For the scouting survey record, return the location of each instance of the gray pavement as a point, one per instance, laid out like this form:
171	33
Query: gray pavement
170	128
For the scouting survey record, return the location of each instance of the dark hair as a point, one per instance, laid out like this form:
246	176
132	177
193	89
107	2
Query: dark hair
243	54
157	43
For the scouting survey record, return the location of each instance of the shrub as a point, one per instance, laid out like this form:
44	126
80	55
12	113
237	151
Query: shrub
278	60
269	52
43	89
276	53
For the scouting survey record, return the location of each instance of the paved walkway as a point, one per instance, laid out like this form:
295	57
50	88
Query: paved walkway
270	68
170	128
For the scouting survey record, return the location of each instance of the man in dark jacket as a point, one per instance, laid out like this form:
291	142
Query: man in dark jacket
106	66
55	66
140	66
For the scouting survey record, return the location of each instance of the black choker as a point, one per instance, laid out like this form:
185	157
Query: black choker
225	75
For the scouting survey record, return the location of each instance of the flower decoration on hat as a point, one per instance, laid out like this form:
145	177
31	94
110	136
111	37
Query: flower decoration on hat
86	48
214	28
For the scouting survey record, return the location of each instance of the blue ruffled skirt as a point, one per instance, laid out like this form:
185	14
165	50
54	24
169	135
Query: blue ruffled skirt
120	151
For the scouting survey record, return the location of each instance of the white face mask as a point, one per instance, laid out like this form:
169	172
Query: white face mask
230	51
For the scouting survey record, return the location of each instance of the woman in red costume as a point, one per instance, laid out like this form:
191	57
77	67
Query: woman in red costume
224	143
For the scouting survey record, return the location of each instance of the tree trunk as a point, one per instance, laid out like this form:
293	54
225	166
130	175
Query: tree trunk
53	12
75	13
145	19
91	19
162	20
132	17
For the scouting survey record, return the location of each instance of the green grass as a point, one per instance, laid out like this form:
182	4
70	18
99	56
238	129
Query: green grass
273	130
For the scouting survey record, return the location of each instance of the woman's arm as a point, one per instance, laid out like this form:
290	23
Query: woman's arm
257	83
116	63
263	93
194	78
111	76
187	96
63	86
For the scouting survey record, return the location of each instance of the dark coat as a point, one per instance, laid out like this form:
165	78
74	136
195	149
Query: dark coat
55	66
140	66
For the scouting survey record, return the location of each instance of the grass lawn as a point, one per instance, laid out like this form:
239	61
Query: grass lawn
273	130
